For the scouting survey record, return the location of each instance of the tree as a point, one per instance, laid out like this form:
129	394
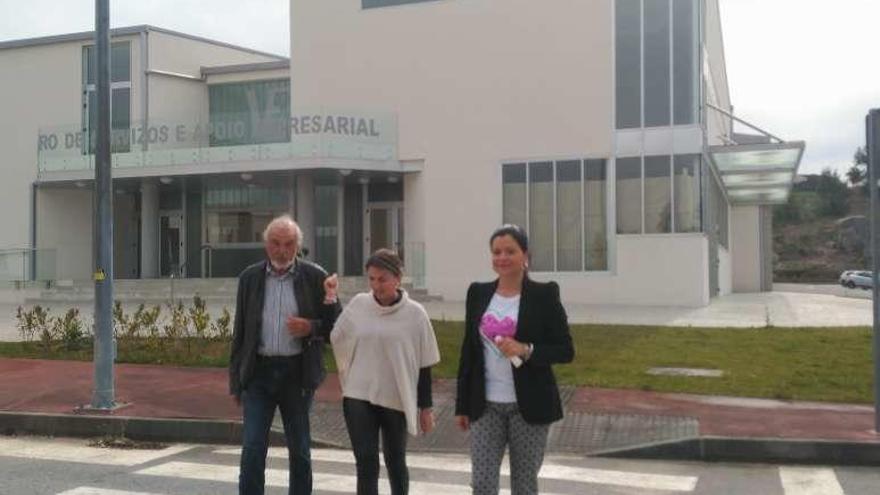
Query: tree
857	175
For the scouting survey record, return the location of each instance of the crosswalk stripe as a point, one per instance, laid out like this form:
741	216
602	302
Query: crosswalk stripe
279	477
809	481
88	490
548	471
68	450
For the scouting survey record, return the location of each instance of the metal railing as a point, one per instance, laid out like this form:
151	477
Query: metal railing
19	265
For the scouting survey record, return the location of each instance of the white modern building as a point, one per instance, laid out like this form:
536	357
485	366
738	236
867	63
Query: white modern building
605	127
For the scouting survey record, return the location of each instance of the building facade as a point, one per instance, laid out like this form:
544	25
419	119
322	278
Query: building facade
604	127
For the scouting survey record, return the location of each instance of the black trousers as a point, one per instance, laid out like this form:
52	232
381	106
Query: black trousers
364	422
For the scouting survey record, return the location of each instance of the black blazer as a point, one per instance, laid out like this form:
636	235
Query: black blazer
308	289
542	322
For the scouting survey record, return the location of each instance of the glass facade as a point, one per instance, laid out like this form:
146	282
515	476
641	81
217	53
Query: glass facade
256	112
562	206
669	187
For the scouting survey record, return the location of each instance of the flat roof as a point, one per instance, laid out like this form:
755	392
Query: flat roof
126	31
252	67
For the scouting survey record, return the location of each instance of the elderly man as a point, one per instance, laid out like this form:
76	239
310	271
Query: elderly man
283	305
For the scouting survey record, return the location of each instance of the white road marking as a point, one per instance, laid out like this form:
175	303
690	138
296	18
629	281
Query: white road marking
77	450
279	477
461	464
87	490
809	481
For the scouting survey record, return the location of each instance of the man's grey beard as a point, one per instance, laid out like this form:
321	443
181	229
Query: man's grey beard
279	267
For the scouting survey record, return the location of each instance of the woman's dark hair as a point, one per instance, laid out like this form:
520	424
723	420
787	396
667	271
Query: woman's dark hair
516	232
386	259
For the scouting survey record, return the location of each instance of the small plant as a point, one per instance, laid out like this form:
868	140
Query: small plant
198	315
177	326
30	323
149	321
220	327
69	329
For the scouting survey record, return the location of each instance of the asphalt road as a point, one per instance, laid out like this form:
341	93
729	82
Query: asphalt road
32	465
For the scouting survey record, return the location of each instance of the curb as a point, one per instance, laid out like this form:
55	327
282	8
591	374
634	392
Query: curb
212	431
765	450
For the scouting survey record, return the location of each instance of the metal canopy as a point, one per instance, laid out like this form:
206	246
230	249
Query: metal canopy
758	174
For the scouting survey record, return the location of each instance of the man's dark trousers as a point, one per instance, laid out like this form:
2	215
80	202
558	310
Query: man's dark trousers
276	382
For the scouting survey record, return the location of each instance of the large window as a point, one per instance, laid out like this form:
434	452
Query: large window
657	60
562	206
255	112
120	97
661	193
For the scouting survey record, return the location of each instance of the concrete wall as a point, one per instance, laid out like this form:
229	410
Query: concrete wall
725	273
187	56
745	248
465	103
65	224
259	75
652	270
715	74
41	88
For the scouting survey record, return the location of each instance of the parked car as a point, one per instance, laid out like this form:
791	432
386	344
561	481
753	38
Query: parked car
857	278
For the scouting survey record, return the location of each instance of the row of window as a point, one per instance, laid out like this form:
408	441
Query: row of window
658	194
562	204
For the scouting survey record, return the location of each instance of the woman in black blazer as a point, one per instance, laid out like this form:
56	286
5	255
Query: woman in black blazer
515	329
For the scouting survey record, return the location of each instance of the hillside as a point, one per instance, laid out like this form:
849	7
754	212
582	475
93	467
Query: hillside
818	234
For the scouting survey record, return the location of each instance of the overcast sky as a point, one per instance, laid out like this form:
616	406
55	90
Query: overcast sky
797	68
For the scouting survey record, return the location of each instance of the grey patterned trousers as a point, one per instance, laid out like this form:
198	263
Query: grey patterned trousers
500	426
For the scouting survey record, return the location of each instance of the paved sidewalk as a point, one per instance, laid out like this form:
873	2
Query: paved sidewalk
192	404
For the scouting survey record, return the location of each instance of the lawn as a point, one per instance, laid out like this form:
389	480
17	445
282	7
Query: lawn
824	364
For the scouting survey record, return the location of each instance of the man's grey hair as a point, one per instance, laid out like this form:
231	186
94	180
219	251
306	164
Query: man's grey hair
284	221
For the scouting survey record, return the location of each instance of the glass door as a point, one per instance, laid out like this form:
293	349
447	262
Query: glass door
171	246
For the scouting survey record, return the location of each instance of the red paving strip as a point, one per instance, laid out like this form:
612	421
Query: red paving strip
752	419
45	386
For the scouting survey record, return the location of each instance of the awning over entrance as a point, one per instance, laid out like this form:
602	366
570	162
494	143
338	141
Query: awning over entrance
758	174
756	169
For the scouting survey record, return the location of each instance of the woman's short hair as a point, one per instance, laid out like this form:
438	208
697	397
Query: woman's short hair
386	259
516	232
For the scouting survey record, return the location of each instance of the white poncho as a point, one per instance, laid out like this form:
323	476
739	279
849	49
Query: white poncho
379	351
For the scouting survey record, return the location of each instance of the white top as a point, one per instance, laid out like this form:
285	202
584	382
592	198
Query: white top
499	319
379	351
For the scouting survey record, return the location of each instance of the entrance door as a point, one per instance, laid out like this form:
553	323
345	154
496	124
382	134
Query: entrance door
171	248
384	227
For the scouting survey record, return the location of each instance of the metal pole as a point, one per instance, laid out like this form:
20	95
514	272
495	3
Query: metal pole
873	142
103	397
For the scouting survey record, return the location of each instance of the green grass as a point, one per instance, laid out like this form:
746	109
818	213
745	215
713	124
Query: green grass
824	364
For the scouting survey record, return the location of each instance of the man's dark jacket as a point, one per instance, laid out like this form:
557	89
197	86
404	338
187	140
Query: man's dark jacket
541	321
308	288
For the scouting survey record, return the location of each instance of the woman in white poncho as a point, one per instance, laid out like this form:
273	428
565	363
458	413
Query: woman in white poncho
384	346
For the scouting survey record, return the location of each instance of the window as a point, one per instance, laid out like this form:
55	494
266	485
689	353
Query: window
561	204
658	195
686	184
669	187
628	65
718	213
629	195
237	213
540	227
120	97
369	4
657	59
249	113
